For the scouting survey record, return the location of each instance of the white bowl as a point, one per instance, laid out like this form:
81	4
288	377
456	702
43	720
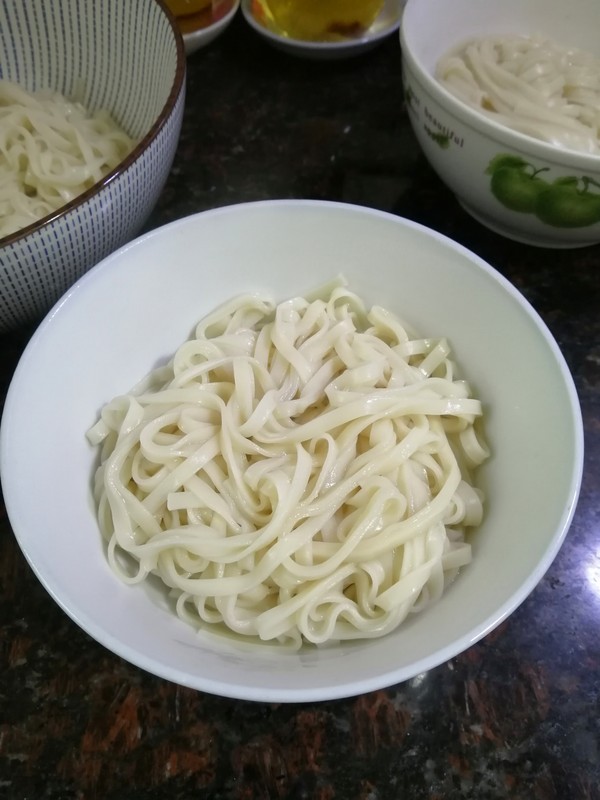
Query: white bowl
128	59
458	141
196	40
137	306
387	21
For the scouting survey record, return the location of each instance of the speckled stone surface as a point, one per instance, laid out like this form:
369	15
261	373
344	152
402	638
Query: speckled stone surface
515	716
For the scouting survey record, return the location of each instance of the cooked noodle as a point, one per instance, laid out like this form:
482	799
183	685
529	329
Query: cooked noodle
532	85
296	473
51	150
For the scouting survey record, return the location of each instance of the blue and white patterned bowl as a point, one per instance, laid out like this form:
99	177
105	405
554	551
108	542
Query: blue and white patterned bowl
129	59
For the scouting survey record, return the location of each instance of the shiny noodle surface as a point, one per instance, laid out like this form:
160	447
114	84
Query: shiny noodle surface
300	472
532	85
51	150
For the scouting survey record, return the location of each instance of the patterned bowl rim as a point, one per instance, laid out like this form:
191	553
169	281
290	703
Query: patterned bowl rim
140	147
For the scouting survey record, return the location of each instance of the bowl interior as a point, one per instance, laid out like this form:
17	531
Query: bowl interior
113	55
432	27
135	308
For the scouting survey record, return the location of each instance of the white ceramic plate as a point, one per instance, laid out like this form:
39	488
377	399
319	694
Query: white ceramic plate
196	40
386	23
139	304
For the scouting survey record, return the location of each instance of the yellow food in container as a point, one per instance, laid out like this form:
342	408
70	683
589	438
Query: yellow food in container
317	20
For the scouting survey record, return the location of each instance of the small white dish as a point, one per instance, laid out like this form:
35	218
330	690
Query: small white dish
196	40
385	24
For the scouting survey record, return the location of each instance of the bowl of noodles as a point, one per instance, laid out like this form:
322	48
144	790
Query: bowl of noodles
301	463
504	99
91	102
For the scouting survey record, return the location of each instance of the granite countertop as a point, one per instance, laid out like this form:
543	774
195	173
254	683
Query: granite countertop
515	716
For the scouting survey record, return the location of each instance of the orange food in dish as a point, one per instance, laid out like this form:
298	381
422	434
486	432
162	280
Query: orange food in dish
183	8
192	15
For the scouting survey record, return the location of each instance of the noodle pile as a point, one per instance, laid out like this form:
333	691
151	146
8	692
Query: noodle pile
531	85
300	472
51	150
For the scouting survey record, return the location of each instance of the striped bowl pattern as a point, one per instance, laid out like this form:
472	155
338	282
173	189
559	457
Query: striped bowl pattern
128	58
